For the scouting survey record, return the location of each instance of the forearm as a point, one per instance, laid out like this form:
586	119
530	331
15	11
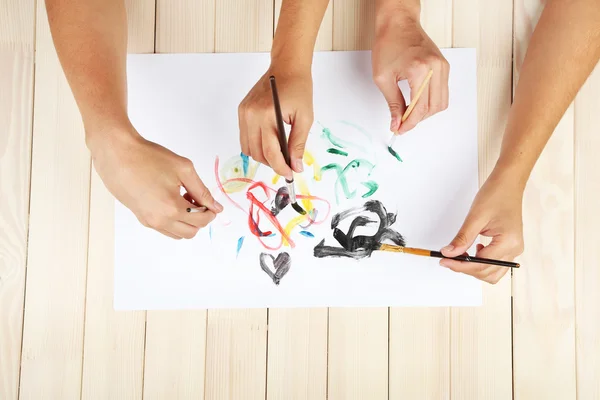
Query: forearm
296	33
90	37
564	49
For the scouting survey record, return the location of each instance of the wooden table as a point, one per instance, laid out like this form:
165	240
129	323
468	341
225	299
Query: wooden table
536	337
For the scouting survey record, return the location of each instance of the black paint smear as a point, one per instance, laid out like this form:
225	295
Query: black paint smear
361	246
282	199
281	265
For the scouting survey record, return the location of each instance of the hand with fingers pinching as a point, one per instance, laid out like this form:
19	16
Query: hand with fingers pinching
496	212
258	126
403	51
147	178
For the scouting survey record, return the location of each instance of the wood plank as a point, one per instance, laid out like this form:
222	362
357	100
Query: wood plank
236	350
358	354
325	36
358	337
58	234
175	355
587	252
113	354
176	340
184	26
481	337
544	309
419	339
243	26
297	339
236	343
16	114
353	24
297	354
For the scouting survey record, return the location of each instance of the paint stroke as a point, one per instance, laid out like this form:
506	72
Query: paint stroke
210	232
360	246
244	163
393	152
331	150
240	242
279	266
342	181
307	234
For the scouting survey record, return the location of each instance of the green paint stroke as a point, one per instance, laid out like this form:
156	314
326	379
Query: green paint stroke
393	152
338	152
343	182
372	186
337	142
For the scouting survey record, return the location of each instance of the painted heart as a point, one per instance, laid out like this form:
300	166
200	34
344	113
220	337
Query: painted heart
276	268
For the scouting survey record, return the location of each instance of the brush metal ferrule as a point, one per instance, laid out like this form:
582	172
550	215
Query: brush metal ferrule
291	190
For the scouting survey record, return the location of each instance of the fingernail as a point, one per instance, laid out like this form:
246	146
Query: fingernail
298	165
218	206
448	248
443	264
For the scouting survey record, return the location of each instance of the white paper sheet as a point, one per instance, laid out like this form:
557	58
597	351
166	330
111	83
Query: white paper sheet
188	103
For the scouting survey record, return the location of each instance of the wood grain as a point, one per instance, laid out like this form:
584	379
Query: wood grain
544	309
236	342
481	337
58	234
243	26
113	354
587	251
419	342
16	114
353	24
184	26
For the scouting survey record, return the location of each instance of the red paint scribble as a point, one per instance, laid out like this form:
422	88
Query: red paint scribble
257	207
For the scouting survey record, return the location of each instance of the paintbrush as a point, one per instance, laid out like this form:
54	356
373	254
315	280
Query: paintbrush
284	146
196	209
430	253
411	106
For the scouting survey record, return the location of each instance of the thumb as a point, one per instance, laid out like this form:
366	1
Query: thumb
297	141
464	238
393	96
199	192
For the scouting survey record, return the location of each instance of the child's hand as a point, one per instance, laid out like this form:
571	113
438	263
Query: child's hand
402	50
497	213
147	177
258	126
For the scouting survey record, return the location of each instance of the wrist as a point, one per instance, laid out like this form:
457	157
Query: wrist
396	12
110	136
291	61
510	175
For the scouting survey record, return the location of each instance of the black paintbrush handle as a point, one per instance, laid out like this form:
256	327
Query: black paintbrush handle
280	128
479	260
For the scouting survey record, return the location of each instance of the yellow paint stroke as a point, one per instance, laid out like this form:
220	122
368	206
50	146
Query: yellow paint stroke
275	179
303	188
290	226
310	160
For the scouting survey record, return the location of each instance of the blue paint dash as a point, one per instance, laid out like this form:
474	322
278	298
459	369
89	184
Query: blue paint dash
239	245
307	234
244	163
210	232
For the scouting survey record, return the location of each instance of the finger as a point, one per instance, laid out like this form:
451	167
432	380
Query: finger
188	197
465	236
435	93
196	219
255	144
272	152
169	234
243	129
444	84
388	85
487	273
297	142
182	229
199	192
421	107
